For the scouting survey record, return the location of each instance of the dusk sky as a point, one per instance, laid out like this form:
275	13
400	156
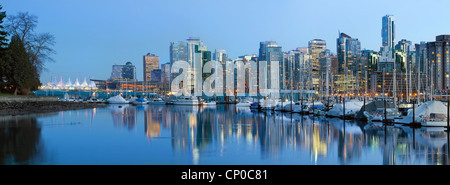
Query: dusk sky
92	35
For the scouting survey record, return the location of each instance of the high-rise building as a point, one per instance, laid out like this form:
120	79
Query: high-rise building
271	52
151	62
439	63
301	69
388	35
178	51
195	49
221	56
156	75
325	77
369	61
421	56
315	47
123	72
165	77
404	45
349	53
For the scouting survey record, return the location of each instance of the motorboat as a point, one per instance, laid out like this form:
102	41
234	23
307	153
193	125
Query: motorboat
244	103
210	103
187	100
254	105
139	101
156	101
132	99
117	100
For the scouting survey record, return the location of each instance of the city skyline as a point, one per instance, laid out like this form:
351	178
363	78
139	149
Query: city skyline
237	34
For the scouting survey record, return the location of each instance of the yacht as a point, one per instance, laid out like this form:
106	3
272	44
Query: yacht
188	100
139	101
209	103
244	103
156	101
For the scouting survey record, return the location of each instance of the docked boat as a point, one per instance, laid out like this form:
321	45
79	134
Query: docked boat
374	111
431	113
139	101
352	107
209	103
254	105
117	100
188	100
244	103
131	99
289	107
156	101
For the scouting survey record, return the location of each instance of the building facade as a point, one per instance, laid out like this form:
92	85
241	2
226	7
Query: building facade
151	62
315	47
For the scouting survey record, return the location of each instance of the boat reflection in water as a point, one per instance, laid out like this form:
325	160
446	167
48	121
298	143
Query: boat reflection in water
222	134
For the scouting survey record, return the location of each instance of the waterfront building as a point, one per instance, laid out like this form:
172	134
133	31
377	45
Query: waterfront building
151	62
123	72
315	47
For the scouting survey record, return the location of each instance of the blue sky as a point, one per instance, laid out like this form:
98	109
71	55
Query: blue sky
92	35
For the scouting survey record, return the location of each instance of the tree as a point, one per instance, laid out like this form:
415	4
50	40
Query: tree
3	53
38	45
22	75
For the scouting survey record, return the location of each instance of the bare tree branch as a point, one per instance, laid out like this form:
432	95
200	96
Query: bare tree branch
38	46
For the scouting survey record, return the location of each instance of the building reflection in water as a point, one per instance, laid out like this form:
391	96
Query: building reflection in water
200	132
124	116
152	121
20	140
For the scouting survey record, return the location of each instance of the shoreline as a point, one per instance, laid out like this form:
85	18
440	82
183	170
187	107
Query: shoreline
16	105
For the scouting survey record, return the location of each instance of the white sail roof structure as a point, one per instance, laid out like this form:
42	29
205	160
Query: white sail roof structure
54	84
77	83
84	84
68	83
60	84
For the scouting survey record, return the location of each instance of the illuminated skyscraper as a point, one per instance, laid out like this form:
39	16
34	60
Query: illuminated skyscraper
315	47
151	62
270	52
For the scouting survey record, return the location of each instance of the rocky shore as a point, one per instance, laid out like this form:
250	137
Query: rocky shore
16	105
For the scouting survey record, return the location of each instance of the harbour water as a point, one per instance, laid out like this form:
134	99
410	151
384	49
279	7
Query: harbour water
223	134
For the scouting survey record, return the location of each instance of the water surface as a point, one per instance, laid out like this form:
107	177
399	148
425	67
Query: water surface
159	134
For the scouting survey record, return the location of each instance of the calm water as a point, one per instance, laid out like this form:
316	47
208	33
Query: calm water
156	134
